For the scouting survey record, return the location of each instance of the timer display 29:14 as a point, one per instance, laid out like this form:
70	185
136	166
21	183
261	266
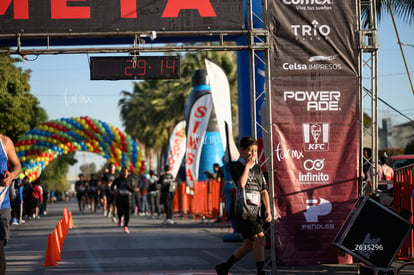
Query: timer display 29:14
139	67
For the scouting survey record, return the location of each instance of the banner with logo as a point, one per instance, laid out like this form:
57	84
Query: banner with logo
315	125
176	147
198	120
74	16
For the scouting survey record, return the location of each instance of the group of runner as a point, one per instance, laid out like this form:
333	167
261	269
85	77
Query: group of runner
119	194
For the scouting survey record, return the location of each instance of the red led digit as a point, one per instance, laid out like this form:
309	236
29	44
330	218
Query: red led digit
129	67
170	64
141	67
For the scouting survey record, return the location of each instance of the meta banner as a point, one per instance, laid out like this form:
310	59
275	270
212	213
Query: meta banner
80	16
314	82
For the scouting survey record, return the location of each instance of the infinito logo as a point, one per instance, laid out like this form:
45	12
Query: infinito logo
313	174
316	164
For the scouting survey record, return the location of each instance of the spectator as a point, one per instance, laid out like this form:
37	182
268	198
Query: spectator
145	209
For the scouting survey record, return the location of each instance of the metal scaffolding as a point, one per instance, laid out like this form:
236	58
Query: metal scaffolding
368	78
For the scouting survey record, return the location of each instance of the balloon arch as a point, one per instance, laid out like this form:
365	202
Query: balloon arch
39	146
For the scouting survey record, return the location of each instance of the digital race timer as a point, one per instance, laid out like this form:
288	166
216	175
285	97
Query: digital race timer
137	67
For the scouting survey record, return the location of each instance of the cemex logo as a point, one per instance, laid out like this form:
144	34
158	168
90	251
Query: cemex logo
315	136
316	208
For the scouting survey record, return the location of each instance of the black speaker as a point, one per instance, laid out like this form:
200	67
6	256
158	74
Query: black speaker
372	233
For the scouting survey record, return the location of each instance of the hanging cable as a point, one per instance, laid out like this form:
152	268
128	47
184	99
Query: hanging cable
399	43
388	105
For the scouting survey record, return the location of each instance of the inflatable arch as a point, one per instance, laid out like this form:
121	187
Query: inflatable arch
39	146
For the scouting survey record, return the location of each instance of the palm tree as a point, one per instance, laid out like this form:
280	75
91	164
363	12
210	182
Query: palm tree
404	9
152	110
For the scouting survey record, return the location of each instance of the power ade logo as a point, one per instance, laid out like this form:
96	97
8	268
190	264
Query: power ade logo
313	174
315	31
310	5
315	100
314	209
315	137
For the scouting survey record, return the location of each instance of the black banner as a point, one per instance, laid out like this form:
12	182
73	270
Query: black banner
88	16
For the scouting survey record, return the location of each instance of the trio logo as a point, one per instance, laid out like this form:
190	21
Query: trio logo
315	31
315	137
316	208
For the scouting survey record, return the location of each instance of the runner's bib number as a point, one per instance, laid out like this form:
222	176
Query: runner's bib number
253	198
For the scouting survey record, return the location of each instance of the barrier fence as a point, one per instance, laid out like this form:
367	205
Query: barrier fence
403	199
205	202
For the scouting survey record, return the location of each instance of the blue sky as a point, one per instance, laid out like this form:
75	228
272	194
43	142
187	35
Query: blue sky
393	84
63	86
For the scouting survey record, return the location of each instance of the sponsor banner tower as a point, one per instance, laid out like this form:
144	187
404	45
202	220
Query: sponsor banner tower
314	83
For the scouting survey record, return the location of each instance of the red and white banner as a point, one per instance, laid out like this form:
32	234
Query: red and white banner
198	119
315	120
176	148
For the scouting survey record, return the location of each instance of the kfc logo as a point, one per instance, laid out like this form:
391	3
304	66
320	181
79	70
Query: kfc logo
316	136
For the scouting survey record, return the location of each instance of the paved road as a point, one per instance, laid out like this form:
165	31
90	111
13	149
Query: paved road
96	245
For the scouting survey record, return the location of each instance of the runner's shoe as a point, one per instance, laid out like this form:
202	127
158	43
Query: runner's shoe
126	229
221	269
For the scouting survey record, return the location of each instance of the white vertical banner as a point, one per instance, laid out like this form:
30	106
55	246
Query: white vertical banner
176	148
196	129
220	91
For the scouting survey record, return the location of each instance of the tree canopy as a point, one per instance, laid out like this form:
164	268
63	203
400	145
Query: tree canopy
20	110
403	9
151	111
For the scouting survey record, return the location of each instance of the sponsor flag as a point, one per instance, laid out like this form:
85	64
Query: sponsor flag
315	124
176	148
198	119
220	91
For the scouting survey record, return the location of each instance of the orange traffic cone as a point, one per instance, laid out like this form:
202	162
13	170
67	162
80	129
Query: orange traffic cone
64	228
56	242
70	220
66	217
60	233
50	258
